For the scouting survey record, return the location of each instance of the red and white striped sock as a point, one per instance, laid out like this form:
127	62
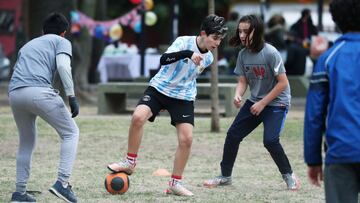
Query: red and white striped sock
131	158
175	180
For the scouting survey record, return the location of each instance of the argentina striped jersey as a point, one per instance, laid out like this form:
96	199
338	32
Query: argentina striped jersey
178	79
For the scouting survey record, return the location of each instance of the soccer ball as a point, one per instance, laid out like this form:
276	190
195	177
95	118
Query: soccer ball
117	183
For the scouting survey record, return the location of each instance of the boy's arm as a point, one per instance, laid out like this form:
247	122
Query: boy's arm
64	68
315	114
178	51
168	58
314	123
240	90
63	62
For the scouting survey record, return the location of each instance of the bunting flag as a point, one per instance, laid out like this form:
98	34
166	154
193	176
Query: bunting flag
101	29
111	30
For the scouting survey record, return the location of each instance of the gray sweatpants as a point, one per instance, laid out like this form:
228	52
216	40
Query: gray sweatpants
29	102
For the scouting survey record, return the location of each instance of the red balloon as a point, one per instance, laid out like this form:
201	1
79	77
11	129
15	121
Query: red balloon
135	1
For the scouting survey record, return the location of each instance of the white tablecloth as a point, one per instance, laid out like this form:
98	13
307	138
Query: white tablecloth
126	66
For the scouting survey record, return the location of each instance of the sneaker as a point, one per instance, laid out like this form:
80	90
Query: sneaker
18	197
63	193
291	181
123	166
178	189
217	181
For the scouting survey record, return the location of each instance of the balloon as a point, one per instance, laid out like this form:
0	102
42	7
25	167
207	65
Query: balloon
135	1
99	31
74	17
115	32
75	28
149	4
150	18
137	27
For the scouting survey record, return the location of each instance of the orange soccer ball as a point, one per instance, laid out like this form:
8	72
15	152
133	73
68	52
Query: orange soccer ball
117	183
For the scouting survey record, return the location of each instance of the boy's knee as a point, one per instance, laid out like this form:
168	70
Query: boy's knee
76	131
231	136
138	119
73	133
186	141
269	144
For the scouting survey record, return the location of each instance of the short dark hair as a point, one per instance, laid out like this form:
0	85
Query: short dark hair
276	19
233	16
305	12
214	24
55	23
345	13
256	25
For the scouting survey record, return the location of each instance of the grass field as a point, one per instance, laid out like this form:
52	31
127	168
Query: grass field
103	139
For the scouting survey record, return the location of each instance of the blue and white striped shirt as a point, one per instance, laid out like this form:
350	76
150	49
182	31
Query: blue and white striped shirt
178	79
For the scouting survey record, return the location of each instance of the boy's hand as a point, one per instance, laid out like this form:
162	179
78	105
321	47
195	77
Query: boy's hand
237	101
257	108
196	58
74	106
315	175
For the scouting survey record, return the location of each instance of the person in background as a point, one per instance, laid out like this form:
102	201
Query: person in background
303	29
230	52
260	66
174	88
333	109
31	95
298	43
275	34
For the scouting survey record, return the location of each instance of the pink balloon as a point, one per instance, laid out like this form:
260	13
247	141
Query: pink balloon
135	1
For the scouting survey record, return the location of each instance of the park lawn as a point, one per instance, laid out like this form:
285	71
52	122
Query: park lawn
103	139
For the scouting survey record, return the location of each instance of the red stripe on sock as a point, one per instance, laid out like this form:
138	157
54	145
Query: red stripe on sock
132	155
176	177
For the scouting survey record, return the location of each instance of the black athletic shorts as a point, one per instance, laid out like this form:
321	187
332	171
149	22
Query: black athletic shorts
181	111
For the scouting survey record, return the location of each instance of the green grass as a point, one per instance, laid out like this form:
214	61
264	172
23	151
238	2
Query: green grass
103	139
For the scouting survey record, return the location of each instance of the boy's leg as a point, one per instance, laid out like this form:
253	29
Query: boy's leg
243	124
54	111
184	133
274	119
182	117
141	114
25	122
341	183
147	109
50	107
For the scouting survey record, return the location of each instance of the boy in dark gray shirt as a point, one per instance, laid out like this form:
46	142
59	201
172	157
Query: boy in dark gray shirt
31	94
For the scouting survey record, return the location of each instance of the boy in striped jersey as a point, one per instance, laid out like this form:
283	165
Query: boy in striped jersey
174	88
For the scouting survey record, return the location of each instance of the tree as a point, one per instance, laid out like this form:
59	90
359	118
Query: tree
215	126
82	51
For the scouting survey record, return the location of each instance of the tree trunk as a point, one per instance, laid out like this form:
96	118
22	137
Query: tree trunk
82	51
83	46
215	126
